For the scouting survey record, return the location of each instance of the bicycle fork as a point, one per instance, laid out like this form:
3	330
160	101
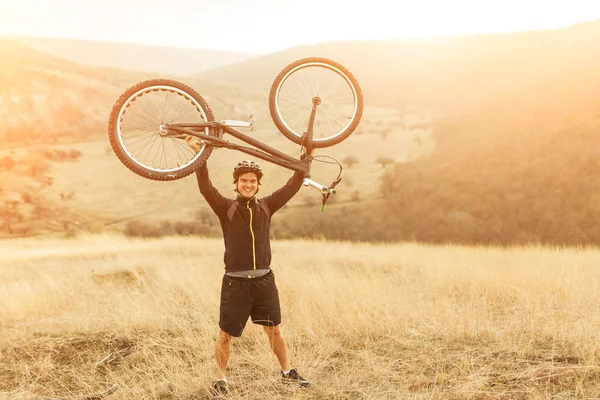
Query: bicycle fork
307	141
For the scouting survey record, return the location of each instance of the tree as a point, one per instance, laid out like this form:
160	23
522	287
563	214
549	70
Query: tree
7	163
350	160
385	133
384	161
75	154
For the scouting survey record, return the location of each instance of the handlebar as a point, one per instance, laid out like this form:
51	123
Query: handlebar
326	191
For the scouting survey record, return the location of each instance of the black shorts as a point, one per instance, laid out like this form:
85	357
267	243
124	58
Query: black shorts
243	297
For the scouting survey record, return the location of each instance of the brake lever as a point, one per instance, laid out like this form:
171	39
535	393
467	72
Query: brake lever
330	191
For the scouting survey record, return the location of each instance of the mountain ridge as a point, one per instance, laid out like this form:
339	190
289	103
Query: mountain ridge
134	57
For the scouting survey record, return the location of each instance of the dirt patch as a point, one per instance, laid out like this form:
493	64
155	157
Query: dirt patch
128	278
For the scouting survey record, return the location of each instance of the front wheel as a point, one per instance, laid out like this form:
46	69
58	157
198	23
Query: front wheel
138	134
320	80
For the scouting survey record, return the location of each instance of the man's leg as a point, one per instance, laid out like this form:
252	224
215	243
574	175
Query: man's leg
278	346
222	352
267	312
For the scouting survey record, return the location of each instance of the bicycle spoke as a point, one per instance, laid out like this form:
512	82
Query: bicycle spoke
143	145
181	100
304	88
158	108
178	146
128	127
162	143
331	117
147	113
184	115
146	138
162	116
139	118
319	80
147	147
135	135
142	131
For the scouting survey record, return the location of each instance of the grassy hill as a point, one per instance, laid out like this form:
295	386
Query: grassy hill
515	121
442	75
56	104
135	57
494	138
46	99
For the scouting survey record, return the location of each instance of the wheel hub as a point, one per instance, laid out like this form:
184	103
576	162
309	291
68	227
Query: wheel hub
163	129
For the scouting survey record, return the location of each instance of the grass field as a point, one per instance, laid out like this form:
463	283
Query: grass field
361	321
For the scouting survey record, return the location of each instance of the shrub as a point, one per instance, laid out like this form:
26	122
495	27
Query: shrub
167	228
350	161
385	133
7	163
75	154
384	161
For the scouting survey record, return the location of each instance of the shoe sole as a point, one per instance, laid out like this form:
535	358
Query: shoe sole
291	382
212	395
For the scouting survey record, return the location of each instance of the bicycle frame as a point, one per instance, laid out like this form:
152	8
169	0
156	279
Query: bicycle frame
260	150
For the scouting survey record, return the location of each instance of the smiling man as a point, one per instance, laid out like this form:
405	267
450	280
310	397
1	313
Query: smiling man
248	286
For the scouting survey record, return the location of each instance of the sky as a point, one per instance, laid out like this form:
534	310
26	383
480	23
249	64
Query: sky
263	26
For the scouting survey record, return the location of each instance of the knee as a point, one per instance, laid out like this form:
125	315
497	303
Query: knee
272	330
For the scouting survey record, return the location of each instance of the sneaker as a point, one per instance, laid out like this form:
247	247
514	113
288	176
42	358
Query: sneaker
219	389
294	377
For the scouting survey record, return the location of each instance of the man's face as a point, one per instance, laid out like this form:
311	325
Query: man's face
247	184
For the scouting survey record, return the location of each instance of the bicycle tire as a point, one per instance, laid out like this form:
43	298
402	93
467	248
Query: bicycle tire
125	153
294	133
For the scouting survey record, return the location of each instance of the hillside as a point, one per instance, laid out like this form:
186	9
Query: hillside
135	57
495	139
54	104
441	75
515	122
46	99
524	172
518	168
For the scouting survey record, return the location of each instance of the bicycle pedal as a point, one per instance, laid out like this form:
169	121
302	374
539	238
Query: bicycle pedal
234	123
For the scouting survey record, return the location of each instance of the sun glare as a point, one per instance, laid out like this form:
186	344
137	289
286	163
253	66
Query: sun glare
265	26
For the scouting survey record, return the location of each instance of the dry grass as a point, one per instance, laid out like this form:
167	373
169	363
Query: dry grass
361	321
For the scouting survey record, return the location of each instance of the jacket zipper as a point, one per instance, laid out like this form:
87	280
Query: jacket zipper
252	234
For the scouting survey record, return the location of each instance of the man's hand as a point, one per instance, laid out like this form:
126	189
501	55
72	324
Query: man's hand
194	143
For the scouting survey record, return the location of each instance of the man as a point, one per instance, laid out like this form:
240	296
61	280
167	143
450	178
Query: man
248	286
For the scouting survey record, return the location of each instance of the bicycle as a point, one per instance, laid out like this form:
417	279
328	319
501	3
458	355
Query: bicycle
137	133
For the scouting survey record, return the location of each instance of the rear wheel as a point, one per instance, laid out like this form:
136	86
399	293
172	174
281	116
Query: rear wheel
336	90
137	132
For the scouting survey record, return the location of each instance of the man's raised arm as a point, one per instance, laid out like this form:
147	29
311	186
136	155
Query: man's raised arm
281	196
215	200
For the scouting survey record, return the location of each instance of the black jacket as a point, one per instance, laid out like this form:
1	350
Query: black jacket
247	233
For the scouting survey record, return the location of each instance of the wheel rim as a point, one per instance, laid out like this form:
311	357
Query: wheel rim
141	133
334	90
